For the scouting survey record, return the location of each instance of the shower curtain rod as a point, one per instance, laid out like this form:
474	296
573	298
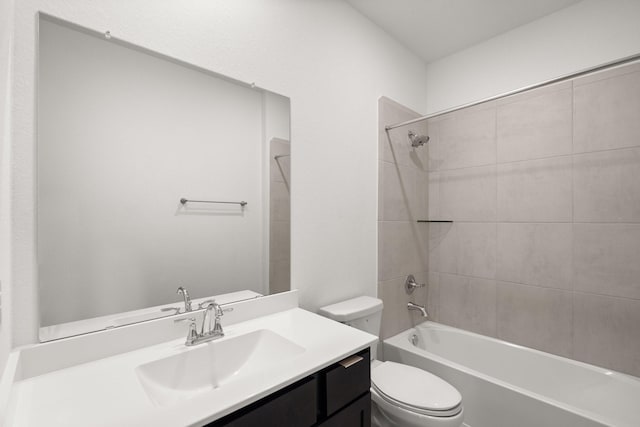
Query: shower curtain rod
604	66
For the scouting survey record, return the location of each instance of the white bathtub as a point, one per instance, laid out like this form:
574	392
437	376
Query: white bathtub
507	385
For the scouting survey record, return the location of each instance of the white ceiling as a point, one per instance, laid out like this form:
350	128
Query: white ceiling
437	28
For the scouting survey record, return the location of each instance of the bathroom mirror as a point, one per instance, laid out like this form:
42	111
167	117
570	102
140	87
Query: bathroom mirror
152	174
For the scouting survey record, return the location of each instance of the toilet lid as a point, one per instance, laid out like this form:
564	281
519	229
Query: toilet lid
414	387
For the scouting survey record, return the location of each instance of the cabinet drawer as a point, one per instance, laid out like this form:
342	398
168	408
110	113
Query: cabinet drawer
344	384
296	405
358	414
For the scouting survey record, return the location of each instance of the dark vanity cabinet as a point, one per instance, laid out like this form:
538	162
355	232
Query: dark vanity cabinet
336	396
343	388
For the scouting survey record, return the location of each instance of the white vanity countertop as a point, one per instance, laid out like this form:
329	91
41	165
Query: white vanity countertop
107	392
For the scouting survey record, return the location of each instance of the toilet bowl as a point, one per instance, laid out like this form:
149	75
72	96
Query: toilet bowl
402	395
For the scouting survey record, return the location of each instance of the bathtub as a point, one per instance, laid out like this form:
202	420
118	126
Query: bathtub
507	385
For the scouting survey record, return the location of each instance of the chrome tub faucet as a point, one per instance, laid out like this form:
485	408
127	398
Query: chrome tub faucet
420	308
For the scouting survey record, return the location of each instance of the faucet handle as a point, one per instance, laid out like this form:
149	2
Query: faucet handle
410	284
192	334
219	310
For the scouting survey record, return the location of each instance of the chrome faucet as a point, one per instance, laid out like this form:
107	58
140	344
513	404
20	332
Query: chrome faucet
420	308
216	330
212	332
187	299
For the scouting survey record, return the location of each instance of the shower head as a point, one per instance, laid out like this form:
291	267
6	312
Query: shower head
417	140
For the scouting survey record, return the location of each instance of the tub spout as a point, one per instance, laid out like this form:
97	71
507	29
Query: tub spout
420	308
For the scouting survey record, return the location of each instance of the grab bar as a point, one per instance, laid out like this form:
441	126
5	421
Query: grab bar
185	201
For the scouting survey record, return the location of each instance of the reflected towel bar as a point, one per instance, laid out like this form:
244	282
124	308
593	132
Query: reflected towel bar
185	201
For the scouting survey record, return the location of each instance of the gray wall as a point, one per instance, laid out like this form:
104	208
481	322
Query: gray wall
544	189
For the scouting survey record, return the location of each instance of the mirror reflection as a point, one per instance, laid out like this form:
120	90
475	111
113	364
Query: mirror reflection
133	150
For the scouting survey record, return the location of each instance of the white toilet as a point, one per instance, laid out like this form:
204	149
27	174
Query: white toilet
402	395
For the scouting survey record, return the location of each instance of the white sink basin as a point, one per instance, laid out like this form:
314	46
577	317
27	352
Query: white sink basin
209	366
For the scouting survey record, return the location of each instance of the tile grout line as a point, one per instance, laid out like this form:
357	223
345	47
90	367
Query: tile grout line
571	155
531	285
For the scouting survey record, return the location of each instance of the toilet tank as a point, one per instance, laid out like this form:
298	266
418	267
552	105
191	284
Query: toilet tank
364	313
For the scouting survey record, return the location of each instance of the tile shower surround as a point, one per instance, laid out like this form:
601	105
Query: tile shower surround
402	199
544	189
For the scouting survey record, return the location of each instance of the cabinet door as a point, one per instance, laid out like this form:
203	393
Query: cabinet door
296	406
358	414
343	383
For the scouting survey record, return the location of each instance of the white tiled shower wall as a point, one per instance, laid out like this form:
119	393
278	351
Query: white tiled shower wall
544	191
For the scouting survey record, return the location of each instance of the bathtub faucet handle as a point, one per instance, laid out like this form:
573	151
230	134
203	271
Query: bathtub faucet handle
410	284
